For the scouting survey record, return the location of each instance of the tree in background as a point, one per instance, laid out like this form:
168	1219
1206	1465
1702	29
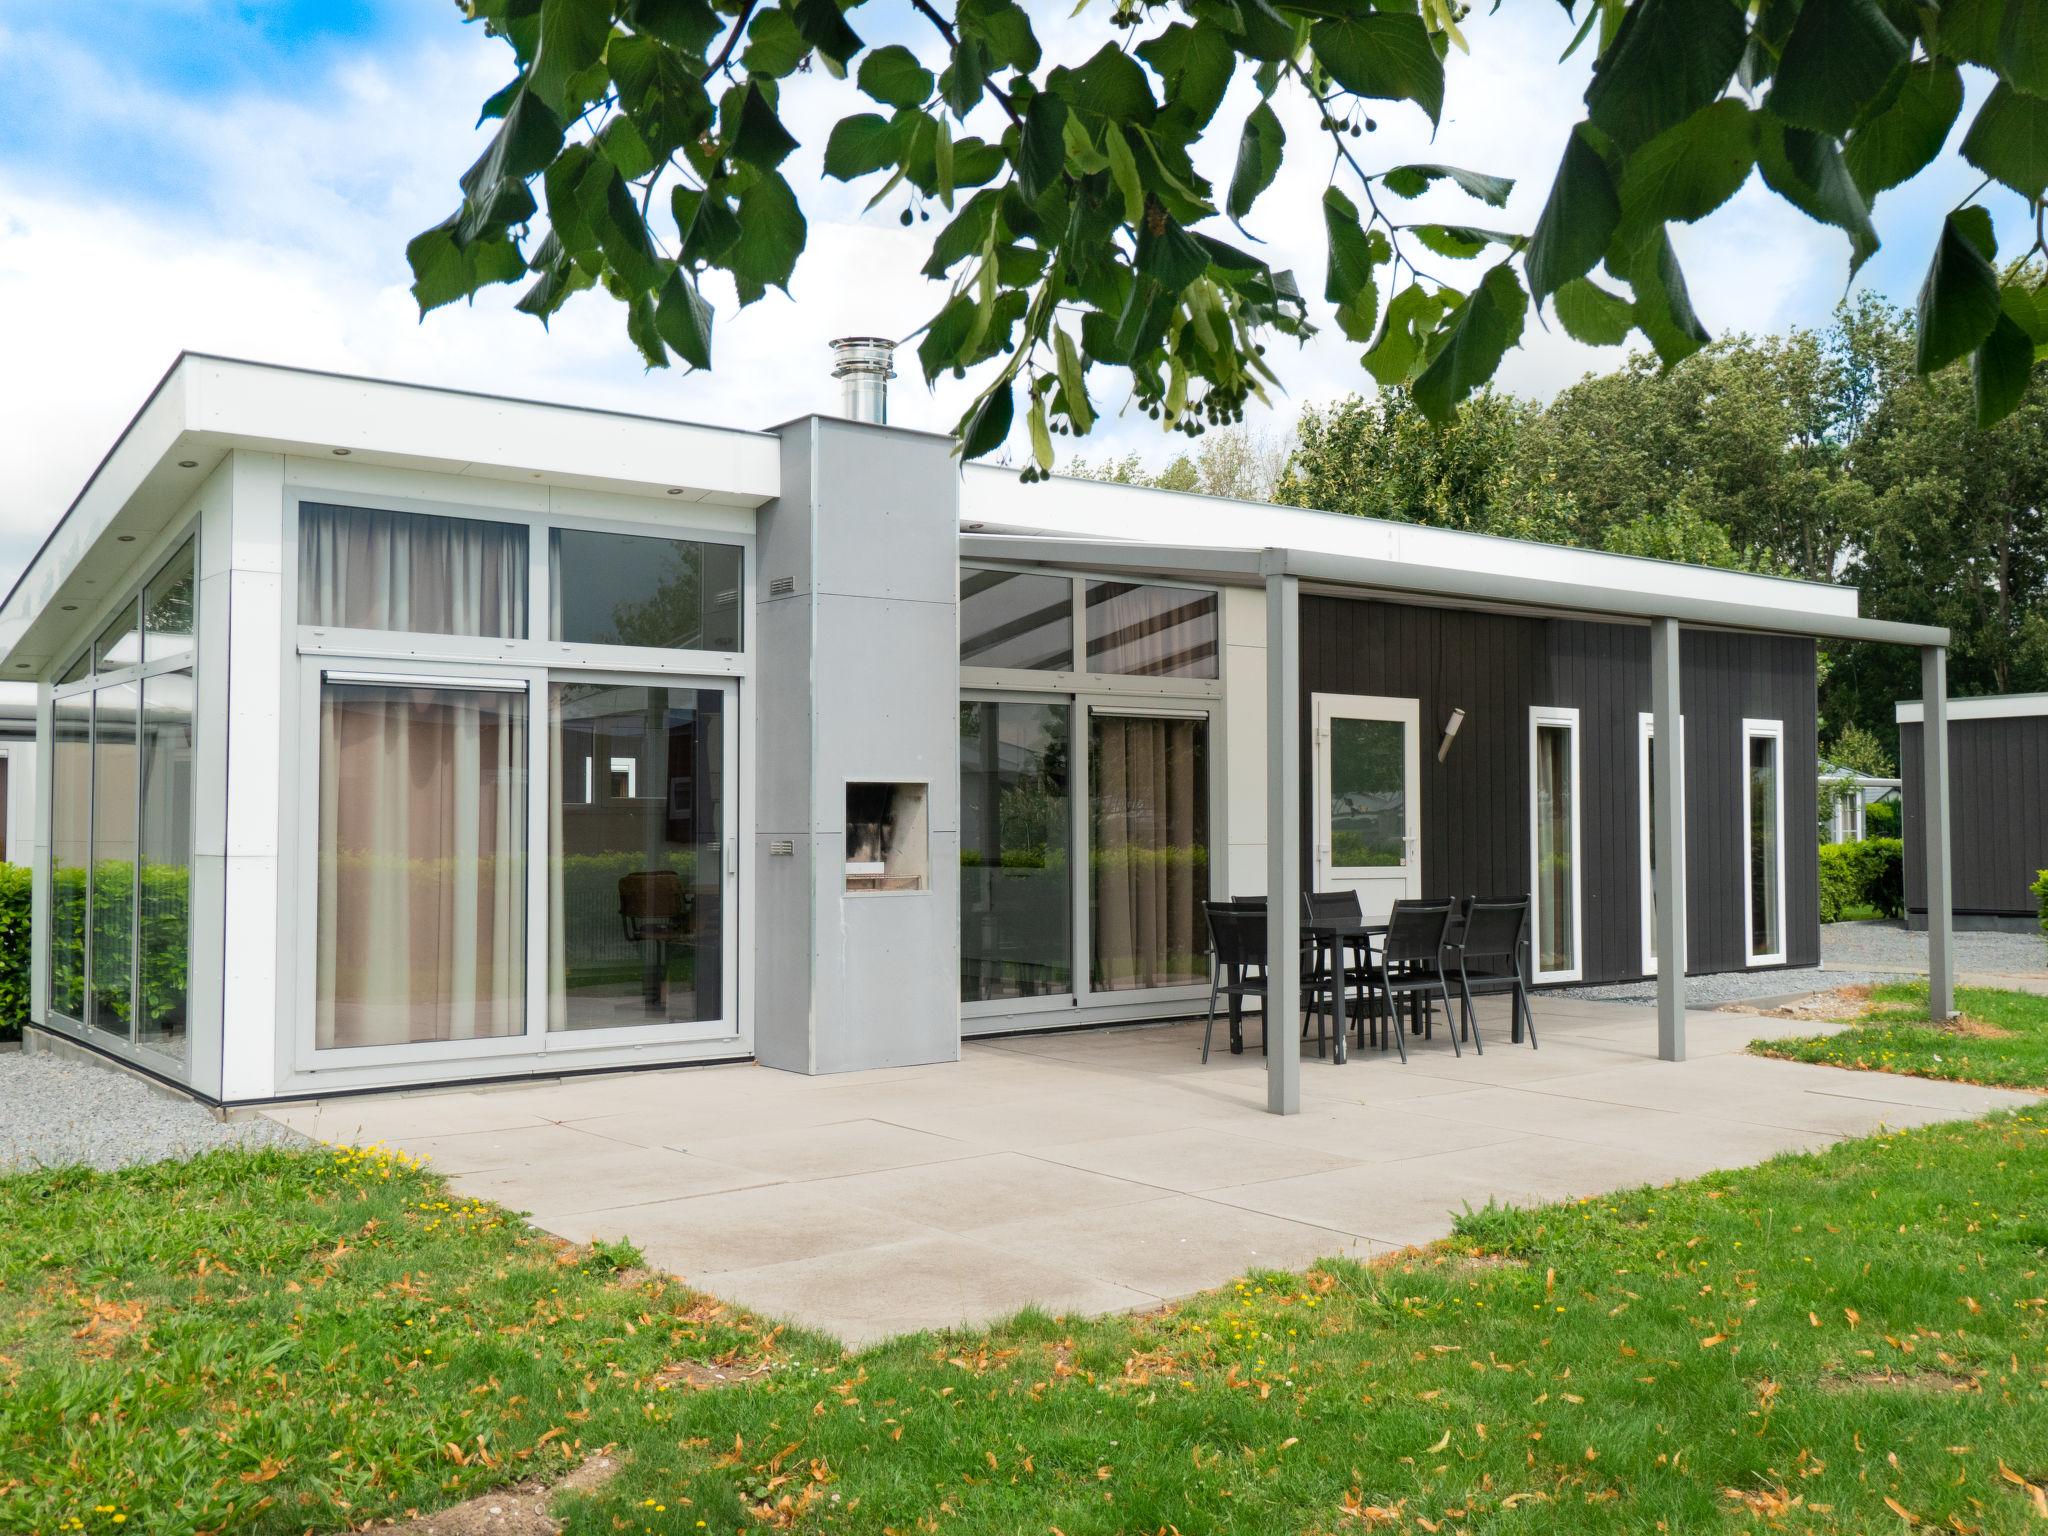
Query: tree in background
1241	463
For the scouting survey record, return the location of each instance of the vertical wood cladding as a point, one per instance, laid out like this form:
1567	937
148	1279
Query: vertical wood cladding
1998	814
1475	805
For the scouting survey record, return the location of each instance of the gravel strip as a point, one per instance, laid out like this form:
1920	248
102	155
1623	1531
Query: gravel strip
1729	986
55	1112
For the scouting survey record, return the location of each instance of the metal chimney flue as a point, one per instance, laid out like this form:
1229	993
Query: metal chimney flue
864	365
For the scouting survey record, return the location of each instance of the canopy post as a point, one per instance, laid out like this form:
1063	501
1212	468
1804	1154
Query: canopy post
1283	844
1667	834
1941	920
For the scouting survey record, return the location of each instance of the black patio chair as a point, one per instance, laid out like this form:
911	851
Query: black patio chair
1490	962
1237	936
1341	908
1411	967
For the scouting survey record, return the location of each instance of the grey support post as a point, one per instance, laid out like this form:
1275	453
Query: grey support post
1283	844
1941	919
1668	836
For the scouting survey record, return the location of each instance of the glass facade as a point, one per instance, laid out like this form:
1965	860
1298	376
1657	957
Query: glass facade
163	903
636	855
1148	863
1016	867
365	568
70	851
1016	619
1141	631
629	589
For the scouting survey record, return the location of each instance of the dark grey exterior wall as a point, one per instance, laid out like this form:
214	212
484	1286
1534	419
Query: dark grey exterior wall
1998	814
1475	805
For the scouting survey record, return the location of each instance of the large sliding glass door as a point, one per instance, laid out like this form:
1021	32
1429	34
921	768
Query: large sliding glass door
1148	857
1016	842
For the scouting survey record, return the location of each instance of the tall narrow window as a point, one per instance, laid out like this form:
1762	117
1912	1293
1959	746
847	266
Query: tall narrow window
636	857
361	568
1016	876
422	864
1763	752
1554	818
110	999
164	879
1646	761
1148	792
70	850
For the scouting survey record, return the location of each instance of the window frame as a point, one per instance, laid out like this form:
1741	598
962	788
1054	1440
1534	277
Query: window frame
1772	731
1075	678
1646	905
1544	717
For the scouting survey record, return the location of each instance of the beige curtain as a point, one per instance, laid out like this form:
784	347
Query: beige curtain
360	568
422	865
1149	866
1138	631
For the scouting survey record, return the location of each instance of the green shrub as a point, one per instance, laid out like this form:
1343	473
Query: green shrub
14	949
2040	890
1866	874
1881	819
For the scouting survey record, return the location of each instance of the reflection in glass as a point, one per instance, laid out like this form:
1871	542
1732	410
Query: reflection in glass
1136	631
422	865
1368	793
70	850
636	855
627	589
362	568
1557	944
112	902
1016	878
1148	805
118	645
167	608
1763	846
1015	619
164	925
1650	840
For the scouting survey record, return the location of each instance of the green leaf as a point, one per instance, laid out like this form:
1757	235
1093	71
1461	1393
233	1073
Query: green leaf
1842	56
774	46
1194	64
1413	180
1350	266
443	271
1041	433
1668	59
1073	383
2009	140
1123	169
862	144
1172	258
1042	146
572	38
2023	47
557	277
758	139
1808	171
1663	306
684	320
1411	316
658	91
1967	30
705	222
1481	331
1461	242
965	78
1382	54
1959	302
946	336
1259	150
622	236
1578	220
821	24
987	423
772	235
620	141
1692	168
893	77
966	234
1589	313
494	189
1899	142
1110	85
644	330
2001	370
1004	30
687	25
2026	308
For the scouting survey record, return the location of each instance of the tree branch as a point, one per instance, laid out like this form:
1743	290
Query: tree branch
924	8
732	38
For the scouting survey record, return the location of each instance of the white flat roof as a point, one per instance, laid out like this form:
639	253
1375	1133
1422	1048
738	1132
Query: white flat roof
204	407
1996	706
993	500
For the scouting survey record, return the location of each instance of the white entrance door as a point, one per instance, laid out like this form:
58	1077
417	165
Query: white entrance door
1368	798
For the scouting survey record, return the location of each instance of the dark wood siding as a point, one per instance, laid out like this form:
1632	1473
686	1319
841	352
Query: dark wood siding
1475	805
1998	814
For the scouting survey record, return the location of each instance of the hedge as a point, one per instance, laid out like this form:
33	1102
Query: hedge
1871	873
14	949
2040	890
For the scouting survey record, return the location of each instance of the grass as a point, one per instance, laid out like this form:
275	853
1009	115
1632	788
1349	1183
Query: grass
303	1341
2001	1039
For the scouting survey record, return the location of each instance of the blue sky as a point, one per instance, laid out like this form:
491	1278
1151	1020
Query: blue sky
243	178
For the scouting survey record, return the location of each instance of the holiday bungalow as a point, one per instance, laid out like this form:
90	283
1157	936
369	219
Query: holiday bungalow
393	736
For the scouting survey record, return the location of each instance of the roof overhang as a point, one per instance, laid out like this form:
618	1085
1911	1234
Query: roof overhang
2002	706
205	408
1251	567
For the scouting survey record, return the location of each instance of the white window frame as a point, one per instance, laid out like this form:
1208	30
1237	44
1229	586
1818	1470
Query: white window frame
1646	731
1774	732
1557	717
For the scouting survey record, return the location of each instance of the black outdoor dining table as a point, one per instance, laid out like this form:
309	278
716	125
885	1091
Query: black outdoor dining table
1340	937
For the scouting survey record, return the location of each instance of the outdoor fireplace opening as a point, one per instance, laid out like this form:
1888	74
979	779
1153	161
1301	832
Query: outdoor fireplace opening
887	846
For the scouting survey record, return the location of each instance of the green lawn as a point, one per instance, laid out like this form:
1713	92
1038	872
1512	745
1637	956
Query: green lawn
269	1341
2001	1040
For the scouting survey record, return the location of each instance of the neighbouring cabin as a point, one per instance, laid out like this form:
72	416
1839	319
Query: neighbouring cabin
1997	805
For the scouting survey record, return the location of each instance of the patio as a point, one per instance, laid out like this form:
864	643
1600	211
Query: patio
1107	1170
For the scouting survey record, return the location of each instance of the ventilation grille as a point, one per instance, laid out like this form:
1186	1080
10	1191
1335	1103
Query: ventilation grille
781	586
782	848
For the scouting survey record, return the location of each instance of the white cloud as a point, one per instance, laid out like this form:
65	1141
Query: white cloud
276	224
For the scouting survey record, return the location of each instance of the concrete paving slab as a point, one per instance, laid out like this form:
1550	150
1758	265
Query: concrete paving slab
853	1146
1190	1160
742	1229
973	1191
604	1176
